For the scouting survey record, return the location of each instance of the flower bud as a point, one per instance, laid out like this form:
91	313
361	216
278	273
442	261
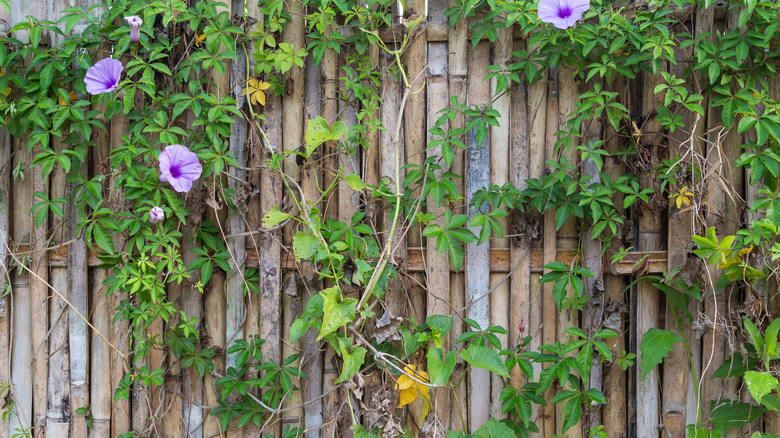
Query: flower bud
156	214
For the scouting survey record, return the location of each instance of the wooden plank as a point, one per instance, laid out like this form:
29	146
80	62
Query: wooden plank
477	262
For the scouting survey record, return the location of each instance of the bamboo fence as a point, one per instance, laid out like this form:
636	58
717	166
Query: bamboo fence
59	363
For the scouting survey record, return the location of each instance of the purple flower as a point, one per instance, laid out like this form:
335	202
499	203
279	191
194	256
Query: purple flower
562	13
135	23
179	167
103	77
156	214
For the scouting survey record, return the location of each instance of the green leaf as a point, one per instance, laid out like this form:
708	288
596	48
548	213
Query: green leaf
352	361
439	367
355	182
656	344
335	312
274	217
304	245
494	429
486	358
760	384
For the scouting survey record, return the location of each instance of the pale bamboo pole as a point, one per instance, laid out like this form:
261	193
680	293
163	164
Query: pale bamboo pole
458	67
236	220
214	318
119	332
499	174
372	169
477	262
550	249
519	246
437	265
192	304
40	317
537	126
647	389
270	254
78	336
22	370
58	394
5	301
567	239
171	402
101	391
676	366
614	378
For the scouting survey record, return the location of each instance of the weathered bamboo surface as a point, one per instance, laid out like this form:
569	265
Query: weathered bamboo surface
58	364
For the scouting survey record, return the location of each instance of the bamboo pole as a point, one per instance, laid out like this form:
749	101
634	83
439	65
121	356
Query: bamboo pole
567	238
614	381
550	311
437	265
477	264
214	301
22	371
270	258
457	64
101	391
192	305
5	278
647	310
40	318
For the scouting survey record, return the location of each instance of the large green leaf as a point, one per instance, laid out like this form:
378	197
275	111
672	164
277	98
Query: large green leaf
352	360
440	367
656	344
760	384
494	429
336	313
483	357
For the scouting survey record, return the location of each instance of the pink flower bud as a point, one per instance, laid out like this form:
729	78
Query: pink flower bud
156	214
135	23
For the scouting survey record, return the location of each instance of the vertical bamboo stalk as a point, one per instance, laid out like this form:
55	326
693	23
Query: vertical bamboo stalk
614	388
550	250
214	301
477	257
119	332
235	224
519	244
22	372
437	265
100	383
647	389
5	277
77	327
567	239
499	174
192	305
40	317
537	126
270	251
457	64
680	227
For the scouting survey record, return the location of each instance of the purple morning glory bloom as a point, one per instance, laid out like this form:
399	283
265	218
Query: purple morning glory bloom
156	214
103	77
562	13
135	23
179	167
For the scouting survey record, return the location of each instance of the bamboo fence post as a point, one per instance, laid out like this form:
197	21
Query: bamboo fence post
675	389
22	367
270	251
593	310
537	126
100	384
40	316
499	300
648	297
519	244
119	332
567	239
214	318
192	305
550	251
437	265
458	67
614	380
5	300
477	257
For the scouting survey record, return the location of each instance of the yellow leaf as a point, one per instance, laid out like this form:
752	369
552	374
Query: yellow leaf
200	39
411	388
255	90
408	395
